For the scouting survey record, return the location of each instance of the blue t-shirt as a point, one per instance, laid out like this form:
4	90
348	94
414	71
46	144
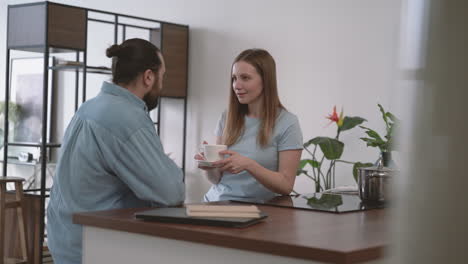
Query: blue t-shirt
111	157
286	135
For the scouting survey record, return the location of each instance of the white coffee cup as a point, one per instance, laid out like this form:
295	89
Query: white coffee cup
211	152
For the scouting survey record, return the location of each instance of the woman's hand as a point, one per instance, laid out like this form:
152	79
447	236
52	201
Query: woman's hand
200	156
234	164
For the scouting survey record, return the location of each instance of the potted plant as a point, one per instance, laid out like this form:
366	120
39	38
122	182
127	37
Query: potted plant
331	149
14	112
385	144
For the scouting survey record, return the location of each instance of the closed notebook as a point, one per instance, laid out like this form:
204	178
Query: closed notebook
238	211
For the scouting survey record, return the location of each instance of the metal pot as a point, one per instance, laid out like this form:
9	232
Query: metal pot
374	183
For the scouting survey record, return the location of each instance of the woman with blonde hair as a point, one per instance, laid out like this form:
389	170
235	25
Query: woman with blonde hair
264	140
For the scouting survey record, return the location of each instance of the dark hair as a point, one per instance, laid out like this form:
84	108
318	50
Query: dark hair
131	58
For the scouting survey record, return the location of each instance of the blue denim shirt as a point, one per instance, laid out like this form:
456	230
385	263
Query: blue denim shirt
111	157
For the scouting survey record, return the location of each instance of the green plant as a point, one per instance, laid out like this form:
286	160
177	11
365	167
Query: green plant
14	111
385	144
331	148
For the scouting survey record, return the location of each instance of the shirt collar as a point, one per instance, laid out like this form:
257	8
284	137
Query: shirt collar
114	89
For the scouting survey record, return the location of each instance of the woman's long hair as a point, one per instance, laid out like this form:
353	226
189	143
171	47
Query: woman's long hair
265	66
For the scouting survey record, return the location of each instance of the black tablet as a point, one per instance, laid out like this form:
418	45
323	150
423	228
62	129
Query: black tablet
179	216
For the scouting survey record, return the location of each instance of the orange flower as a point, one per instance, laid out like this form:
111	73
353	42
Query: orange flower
335	118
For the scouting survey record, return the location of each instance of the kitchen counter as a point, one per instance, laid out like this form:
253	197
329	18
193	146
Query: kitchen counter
300	236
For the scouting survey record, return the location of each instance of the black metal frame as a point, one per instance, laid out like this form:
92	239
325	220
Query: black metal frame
45	49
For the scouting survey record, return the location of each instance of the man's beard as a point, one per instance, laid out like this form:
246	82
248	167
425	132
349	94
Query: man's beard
151	99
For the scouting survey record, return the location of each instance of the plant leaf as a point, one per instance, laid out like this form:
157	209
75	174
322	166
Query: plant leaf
300	171
384	114
302	164
359	165
312	163
371	133
350	122
392	117
375	135
310	142
331	148
374	143
14	111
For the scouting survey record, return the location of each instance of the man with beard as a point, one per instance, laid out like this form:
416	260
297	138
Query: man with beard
111	156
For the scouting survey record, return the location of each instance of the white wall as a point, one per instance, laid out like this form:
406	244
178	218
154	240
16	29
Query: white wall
328	52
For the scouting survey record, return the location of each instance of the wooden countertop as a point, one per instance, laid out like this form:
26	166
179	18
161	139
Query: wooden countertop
337	238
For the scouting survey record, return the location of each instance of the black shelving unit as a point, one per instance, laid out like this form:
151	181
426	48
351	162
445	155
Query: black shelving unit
48	28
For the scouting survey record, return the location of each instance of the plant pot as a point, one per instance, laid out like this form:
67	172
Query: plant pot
386	159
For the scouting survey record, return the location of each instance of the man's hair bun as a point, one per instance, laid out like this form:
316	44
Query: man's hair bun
132	57
113	51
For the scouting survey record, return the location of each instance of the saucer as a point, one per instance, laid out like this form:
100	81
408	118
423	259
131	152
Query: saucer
205	163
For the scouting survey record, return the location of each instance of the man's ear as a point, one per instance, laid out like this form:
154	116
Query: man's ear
149	78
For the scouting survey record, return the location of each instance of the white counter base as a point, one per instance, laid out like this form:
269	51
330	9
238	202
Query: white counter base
117	247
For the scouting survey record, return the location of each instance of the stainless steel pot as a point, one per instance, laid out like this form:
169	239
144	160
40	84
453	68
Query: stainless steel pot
374	183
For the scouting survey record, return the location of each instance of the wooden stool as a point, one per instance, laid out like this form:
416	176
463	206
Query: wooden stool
18	204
